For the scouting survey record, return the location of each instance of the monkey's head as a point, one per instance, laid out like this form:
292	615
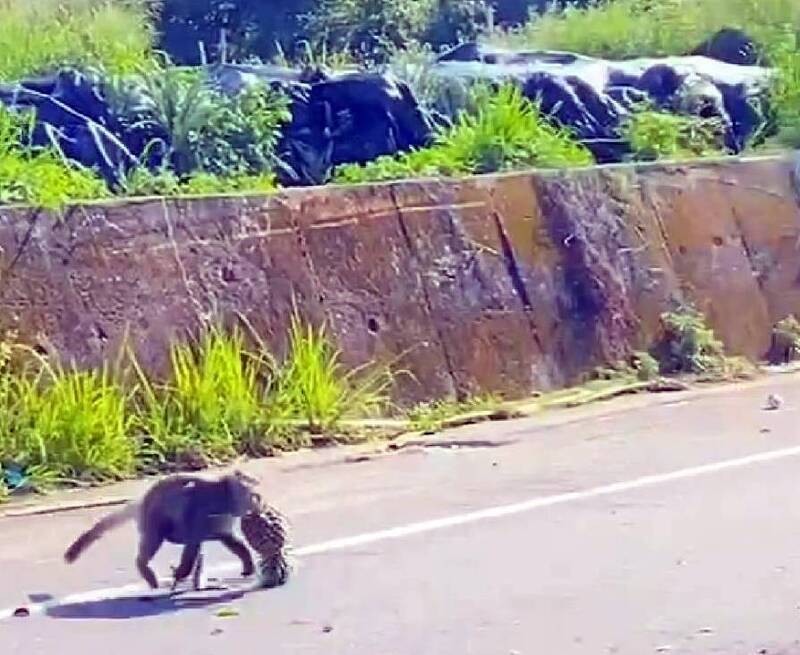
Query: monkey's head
241	488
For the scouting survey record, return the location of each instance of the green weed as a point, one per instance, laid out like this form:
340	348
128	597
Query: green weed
39	176
689	345
209	132
661	135
431	417
639	367
313	385
141	182
507	131
205	184
241	138
785	342
181	103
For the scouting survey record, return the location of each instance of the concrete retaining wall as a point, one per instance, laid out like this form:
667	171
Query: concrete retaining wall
503	283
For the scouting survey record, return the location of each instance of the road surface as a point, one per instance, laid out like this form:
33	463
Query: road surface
672	527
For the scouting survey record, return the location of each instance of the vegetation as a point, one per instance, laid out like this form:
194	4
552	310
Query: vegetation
662	135
221	399
785	343
641	366
368	28
785	92
506	131
193	29
38	176
211	143
788	330
689	345
314	386
433	416
37	36
648	28
205	129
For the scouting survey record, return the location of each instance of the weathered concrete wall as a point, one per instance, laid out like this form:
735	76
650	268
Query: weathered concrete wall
503	283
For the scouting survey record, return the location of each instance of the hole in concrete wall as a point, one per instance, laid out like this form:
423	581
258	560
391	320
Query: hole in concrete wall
682	250
718	241
372	325
228	274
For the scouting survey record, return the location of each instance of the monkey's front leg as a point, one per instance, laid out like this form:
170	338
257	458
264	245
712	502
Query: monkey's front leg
189	556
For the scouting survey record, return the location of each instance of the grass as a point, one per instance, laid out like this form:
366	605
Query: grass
39	36
506	131
212	399
636	28
785	92
141	182
314	386
39	176
433	416
687	345
63	424
656	135
226	395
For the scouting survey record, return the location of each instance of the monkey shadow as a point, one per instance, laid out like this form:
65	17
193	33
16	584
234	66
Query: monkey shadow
135	607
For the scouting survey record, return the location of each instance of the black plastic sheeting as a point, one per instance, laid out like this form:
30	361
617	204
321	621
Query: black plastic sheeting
592	96
356	117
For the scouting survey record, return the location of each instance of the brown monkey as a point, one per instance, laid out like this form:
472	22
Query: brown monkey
181	509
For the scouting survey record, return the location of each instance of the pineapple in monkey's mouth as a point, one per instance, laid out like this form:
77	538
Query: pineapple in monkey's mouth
267	532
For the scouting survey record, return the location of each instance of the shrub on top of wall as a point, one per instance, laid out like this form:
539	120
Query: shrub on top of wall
507	131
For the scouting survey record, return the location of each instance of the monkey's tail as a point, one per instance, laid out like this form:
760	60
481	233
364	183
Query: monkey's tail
108	522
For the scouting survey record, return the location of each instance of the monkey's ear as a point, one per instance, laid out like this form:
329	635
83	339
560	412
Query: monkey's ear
244	477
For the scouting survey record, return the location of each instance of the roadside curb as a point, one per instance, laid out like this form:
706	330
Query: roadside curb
34	510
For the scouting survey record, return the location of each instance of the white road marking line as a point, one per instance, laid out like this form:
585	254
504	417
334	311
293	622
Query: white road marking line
445	522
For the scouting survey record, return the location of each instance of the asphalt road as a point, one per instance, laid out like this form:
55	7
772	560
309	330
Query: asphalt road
669	524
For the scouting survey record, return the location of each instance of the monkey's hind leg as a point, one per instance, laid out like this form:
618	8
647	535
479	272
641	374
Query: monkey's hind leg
148	547
241	551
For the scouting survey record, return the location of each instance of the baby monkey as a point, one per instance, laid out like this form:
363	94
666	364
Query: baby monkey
186	510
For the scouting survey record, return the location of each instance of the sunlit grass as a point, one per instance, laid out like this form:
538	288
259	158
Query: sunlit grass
38	36
635	28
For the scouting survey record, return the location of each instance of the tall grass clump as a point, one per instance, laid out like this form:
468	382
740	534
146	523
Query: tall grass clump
39	176
313	386
67	424
212	401
506	131
213	142
634	28
38	36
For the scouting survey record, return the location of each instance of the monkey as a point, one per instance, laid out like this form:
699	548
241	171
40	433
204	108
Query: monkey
181	509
